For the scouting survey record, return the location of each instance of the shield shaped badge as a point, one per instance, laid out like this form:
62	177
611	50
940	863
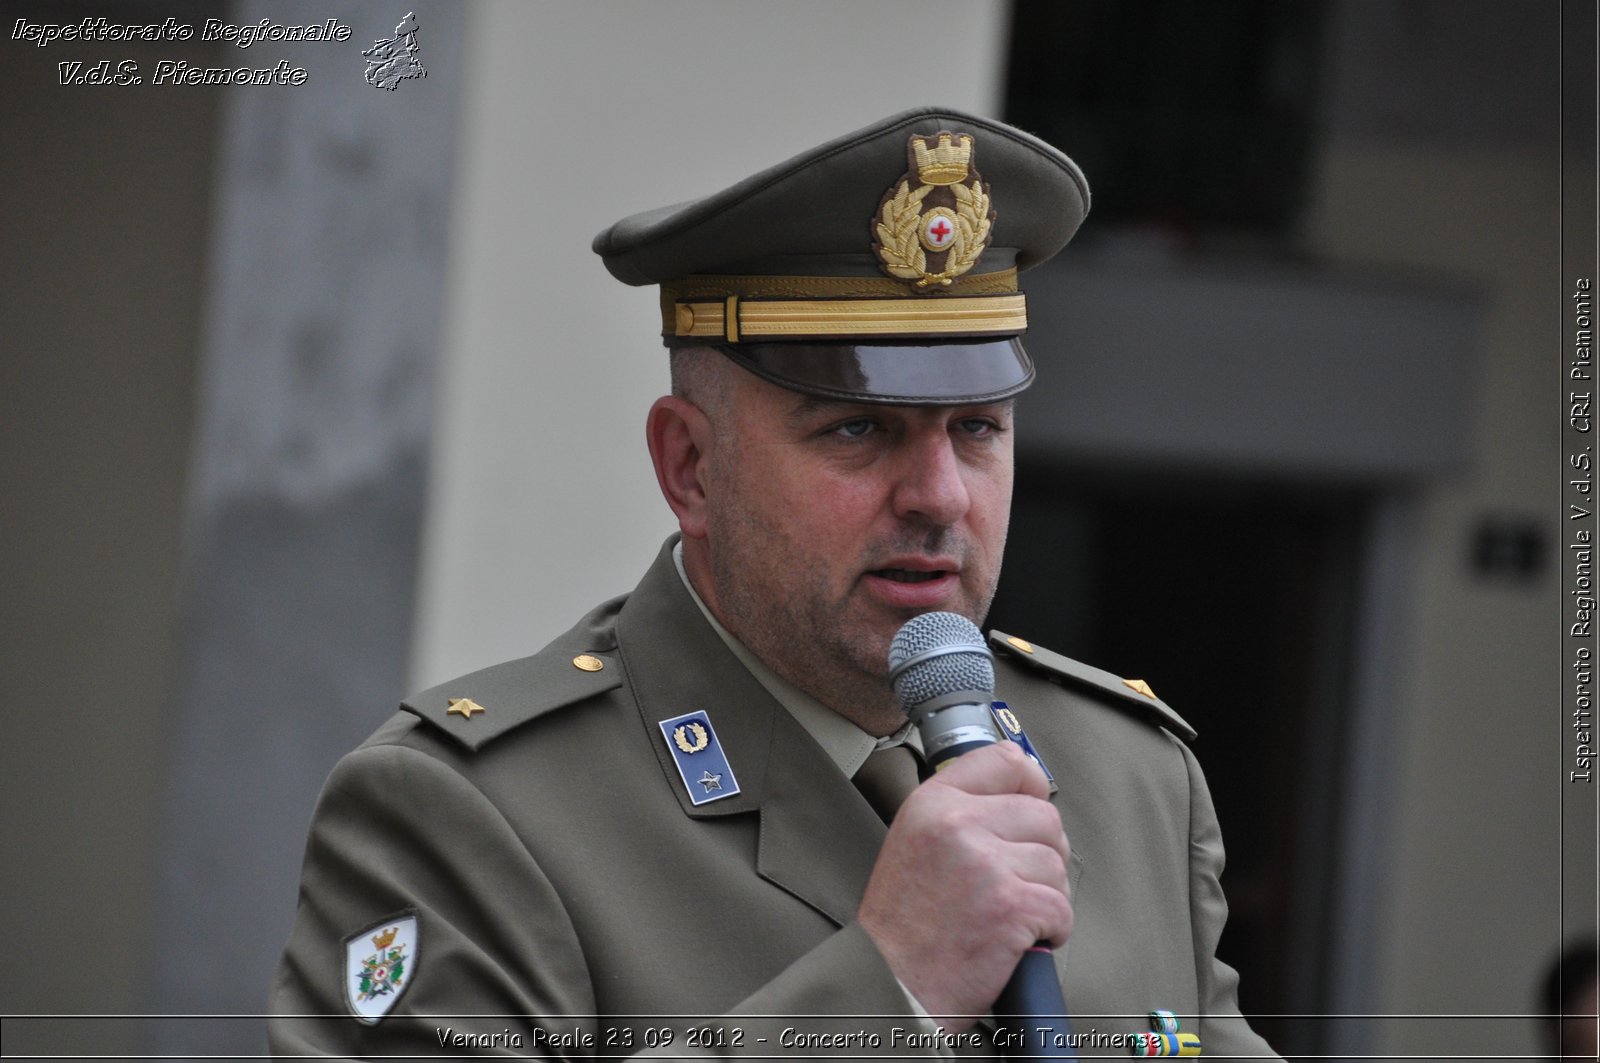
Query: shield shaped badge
379	963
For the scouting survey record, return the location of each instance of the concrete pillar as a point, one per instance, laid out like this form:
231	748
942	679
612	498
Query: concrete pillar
306	491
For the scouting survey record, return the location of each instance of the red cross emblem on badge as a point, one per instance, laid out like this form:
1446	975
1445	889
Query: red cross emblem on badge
938	232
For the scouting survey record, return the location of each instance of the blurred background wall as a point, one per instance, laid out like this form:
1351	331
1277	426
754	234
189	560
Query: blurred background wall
313	395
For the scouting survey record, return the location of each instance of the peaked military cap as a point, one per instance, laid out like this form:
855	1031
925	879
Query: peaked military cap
878	267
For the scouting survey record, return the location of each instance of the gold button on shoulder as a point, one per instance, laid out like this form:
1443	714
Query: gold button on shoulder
463	707
1139	686
1022	644
588	663
685	319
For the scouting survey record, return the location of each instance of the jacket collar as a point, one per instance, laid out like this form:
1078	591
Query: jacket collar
818	837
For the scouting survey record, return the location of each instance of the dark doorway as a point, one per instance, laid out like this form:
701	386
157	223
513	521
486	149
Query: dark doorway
1236	601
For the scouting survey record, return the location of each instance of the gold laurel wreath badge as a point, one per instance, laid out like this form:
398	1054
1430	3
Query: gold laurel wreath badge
898	246
681	736
972	228
901	251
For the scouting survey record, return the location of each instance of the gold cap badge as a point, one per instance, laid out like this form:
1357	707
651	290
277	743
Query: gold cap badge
933	233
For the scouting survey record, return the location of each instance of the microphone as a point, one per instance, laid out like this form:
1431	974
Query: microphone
943	674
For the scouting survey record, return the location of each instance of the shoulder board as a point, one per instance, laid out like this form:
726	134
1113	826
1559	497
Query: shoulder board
479	707
1124	693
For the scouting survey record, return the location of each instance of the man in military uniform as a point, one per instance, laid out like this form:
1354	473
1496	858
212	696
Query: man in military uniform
693	823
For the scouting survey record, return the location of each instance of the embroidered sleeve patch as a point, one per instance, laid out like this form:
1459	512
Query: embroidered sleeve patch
379	963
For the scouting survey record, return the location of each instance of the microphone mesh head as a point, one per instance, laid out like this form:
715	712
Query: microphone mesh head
967	664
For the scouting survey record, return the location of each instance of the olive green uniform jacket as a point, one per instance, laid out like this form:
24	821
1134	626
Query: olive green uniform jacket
559	874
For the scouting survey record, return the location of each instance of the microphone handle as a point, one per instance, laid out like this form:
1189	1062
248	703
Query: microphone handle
1032	996
1030	1015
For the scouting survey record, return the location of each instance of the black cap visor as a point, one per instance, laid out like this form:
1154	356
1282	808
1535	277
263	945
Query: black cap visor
933	373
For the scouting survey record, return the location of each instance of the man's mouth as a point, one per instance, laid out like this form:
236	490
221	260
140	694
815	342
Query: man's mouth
906	575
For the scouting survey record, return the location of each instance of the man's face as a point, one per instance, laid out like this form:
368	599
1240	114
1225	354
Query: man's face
830	524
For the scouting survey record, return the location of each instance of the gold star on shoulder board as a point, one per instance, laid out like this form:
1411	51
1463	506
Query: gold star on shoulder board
1139	686
463	707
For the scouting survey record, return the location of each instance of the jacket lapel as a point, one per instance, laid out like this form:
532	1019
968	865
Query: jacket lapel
818	837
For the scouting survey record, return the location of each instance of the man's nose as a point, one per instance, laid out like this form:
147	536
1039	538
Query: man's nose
931	486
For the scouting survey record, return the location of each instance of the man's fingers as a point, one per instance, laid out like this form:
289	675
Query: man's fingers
980	838
1042	865
1013	796
1001	768
1019	817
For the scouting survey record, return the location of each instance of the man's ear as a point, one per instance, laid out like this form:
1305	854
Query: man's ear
680	438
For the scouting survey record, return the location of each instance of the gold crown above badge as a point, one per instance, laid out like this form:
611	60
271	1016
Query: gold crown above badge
386	938
946	163
934	232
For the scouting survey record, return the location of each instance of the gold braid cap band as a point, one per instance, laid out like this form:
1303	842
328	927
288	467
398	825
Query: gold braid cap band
748	309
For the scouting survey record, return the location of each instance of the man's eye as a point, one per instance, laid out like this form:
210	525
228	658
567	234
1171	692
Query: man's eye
856	429
978	426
